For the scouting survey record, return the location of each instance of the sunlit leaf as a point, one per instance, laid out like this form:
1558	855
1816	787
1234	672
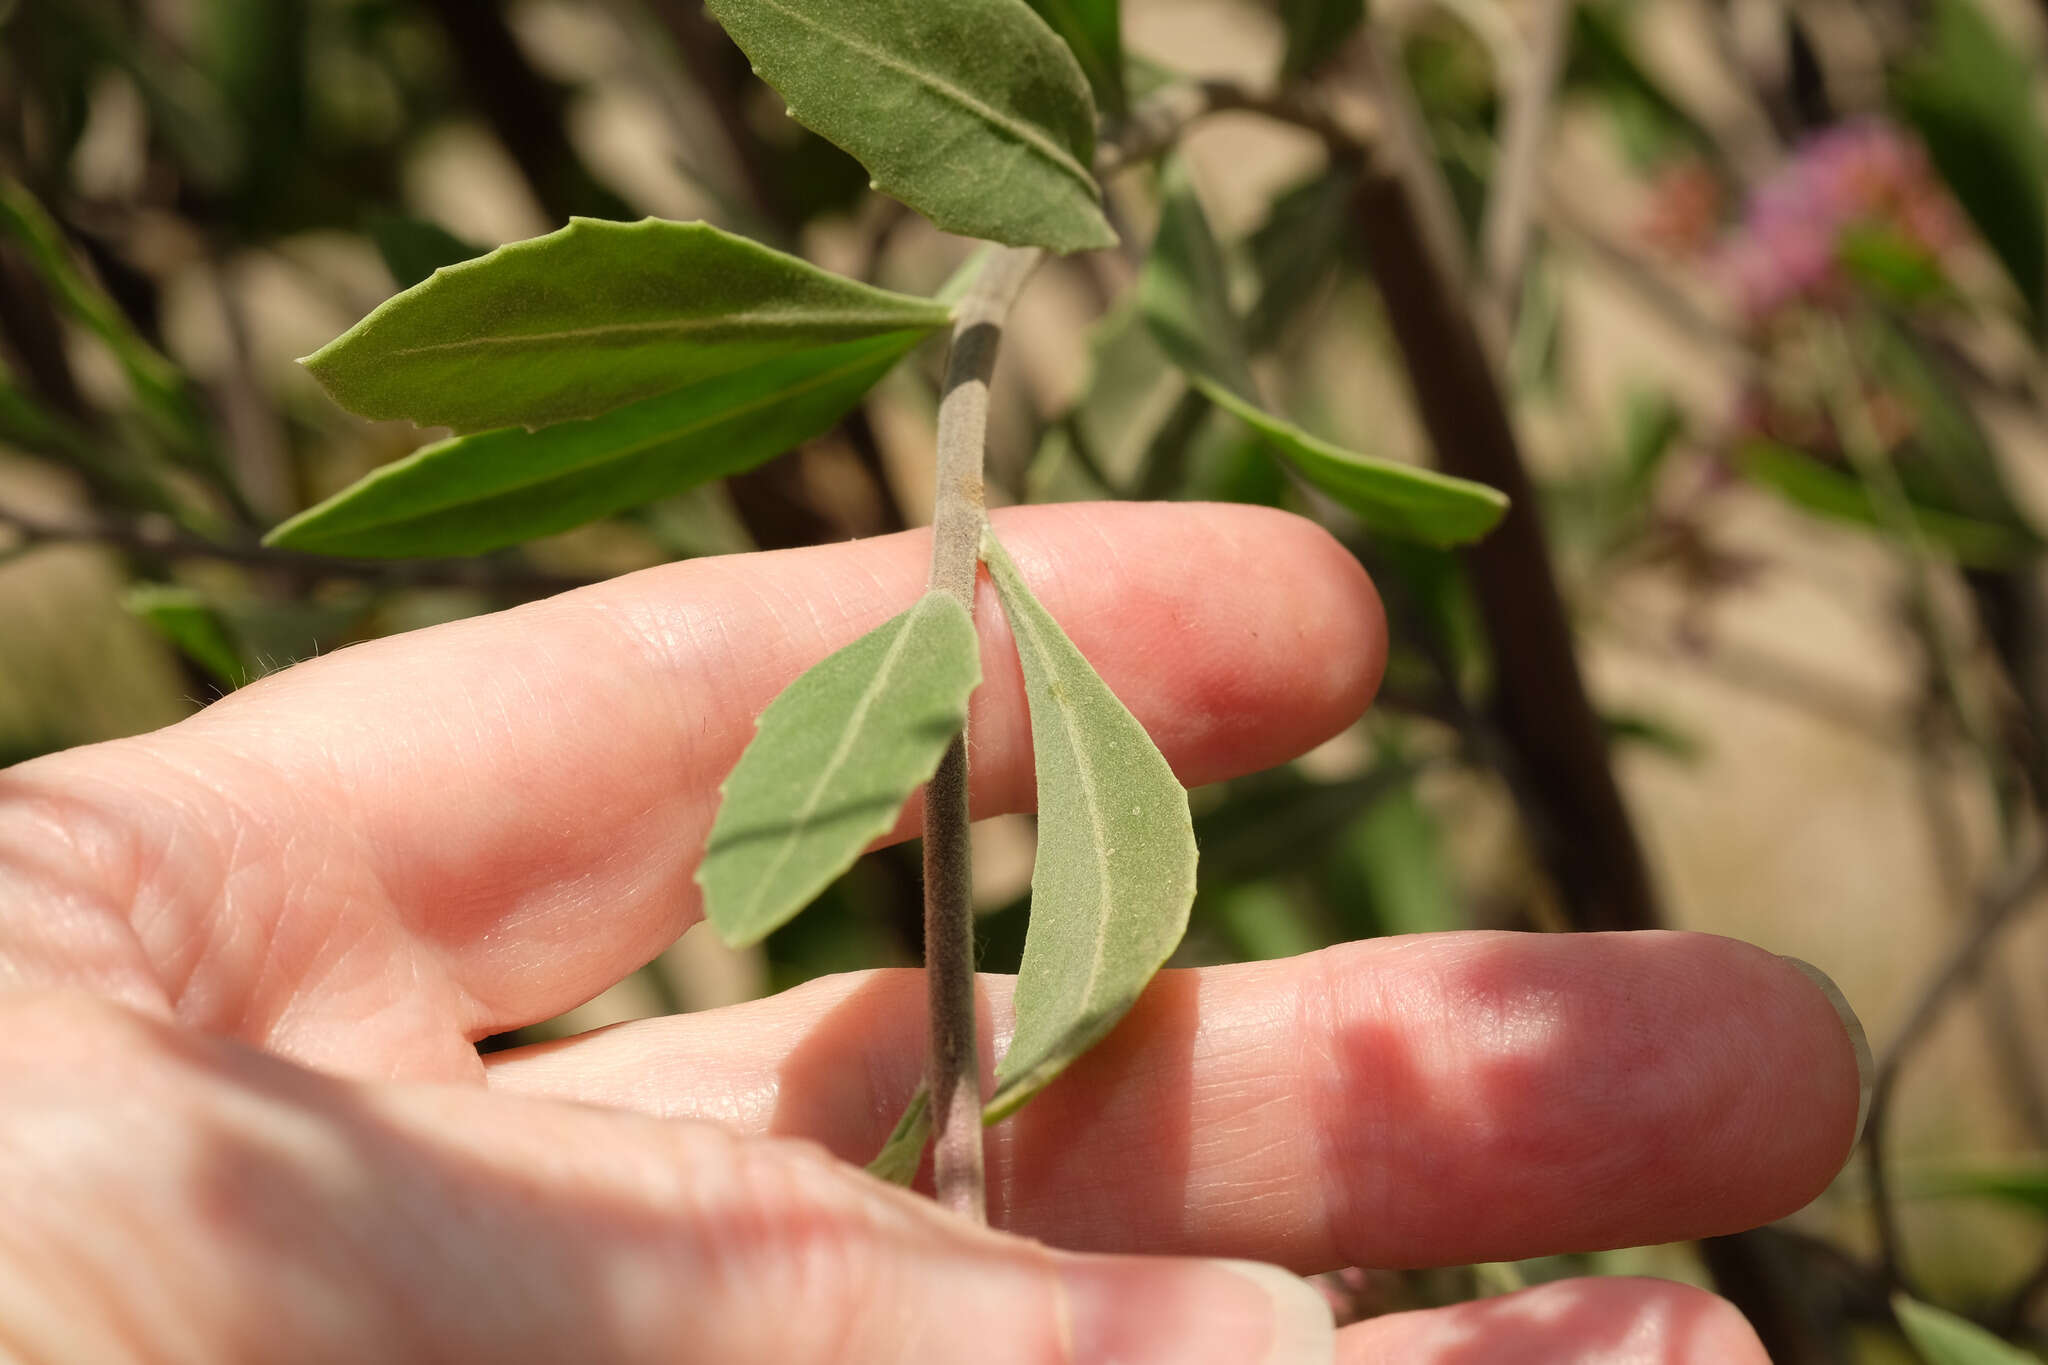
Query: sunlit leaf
972	112
1942	1338
1969	92
470	494
1392	498
1092	28
832	762
591	318
1115	874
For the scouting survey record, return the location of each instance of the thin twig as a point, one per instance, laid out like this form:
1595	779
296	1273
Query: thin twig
1511	206
1996	914
163	542
1154	125
959	514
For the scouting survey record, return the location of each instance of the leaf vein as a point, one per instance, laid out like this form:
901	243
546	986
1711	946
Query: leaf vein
679	327
1017	128
801	824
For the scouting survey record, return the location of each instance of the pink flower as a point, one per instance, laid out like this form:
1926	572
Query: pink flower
1864	176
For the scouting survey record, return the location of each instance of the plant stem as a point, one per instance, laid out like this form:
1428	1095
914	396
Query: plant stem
958	516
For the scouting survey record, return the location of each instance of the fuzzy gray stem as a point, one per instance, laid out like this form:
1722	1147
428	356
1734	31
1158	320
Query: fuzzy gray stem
958	516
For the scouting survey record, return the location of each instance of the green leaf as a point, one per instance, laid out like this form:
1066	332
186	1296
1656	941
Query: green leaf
185	619
1942	1338
1969	94
1396	849
591	318
1948	463
1115	875
903	1151
158	384
1391	498
1184	289
1093	30
1602	61
2021	1185
471	494
970	111
832	762
414	248
1315	30
1806	482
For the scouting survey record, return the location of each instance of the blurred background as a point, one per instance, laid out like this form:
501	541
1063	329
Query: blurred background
1750	294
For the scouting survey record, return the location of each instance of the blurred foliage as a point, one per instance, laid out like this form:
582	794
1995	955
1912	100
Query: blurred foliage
193	193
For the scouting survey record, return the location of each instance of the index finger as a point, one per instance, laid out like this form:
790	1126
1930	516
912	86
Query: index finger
499	817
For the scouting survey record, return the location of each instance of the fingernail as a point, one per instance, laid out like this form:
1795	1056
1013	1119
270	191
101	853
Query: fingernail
1303	1332
1866	1069
1135	1310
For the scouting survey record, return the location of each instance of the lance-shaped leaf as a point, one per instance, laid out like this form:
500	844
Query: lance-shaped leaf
591	318
1185	299
1093	29
1825	490
1184	290
1942	1338
970	111
1389	497
903	1150
832	762
1115	874
471	494
1969	91
188	621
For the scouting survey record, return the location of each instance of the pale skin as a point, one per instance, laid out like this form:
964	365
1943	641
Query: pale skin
244	961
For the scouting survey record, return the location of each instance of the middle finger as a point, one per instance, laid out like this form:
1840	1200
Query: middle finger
1428	1100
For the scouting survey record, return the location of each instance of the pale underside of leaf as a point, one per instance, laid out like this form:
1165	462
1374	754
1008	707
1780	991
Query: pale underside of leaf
1943	1338
903	1150
970	111
472	494
1115	875
832	761
594	317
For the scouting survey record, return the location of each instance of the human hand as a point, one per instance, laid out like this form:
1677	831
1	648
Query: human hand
246	960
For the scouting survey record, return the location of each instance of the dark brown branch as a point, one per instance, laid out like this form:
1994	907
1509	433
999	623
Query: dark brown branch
166	543
1560	769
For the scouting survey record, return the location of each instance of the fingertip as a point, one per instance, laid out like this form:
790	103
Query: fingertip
1581	1322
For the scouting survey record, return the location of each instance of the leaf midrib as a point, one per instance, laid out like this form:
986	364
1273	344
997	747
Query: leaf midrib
1095	821
683	327
636	448
801	825
1022	131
